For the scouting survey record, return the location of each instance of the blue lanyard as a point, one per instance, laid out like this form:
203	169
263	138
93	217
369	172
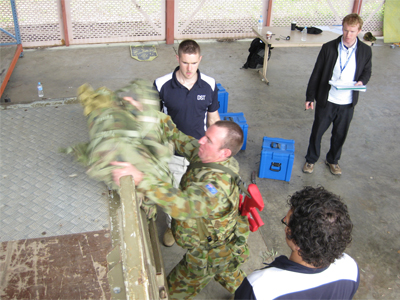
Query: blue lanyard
340	59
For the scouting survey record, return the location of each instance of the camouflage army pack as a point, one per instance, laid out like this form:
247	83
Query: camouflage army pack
119	131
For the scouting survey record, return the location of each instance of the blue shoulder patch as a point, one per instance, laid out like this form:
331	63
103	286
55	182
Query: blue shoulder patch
211	188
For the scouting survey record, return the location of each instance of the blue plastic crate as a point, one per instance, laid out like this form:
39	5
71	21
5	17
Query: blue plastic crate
222	99
277	156
239	119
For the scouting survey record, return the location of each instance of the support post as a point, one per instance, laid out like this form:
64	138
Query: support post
64	17
170	21
18	52
269	12
357	6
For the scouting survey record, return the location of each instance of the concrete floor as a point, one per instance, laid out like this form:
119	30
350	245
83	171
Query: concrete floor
370	181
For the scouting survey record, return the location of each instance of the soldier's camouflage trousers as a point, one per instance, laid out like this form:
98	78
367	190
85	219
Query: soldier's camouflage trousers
199	266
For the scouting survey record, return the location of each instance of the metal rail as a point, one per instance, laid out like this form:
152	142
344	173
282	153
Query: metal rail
136	269
18	52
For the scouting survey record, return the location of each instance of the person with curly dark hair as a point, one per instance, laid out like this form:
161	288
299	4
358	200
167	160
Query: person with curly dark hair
318	230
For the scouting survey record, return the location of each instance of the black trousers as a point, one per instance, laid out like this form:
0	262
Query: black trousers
340	116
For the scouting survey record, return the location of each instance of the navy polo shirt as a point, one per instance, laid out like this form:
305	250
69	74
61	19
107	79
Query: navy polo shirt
188	108
285	279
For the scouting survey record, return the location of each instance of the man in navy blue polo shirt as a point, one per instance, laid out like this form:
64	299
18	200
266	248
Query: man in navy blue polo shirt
318	230
191	99
188	96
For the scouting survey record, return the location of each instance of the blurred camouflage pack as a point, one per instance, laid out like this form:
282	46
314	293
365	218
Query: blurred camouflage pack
119	131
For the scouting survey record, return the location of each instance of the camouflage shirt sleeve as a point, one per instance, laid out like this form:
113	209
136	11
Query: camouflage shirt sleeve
184	144
199	199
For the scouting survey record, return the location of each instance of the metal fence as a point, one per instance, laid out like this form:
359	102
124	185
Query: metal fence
40	22
217	19
51	22
43	22
326	13
104	21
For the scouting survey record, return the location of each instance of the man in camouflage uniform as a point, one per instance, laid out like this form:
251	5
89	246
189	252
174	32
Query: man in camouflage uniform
205	213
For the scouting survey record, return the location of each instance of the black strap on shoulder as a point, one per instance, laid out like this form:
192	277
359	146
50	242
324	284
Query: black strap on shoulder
239	182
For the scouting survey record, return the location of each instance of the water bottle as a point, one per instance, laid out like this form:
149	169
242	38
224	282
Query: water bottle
40	90
304	34
260	23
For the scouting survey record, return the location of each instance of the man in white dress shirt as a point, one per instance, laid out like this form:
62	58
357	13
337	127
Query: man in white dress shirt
349	60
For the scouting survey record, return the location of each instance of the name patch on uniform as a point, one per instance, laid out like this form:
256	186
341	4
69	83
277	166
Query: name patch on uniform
211	188
201	97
